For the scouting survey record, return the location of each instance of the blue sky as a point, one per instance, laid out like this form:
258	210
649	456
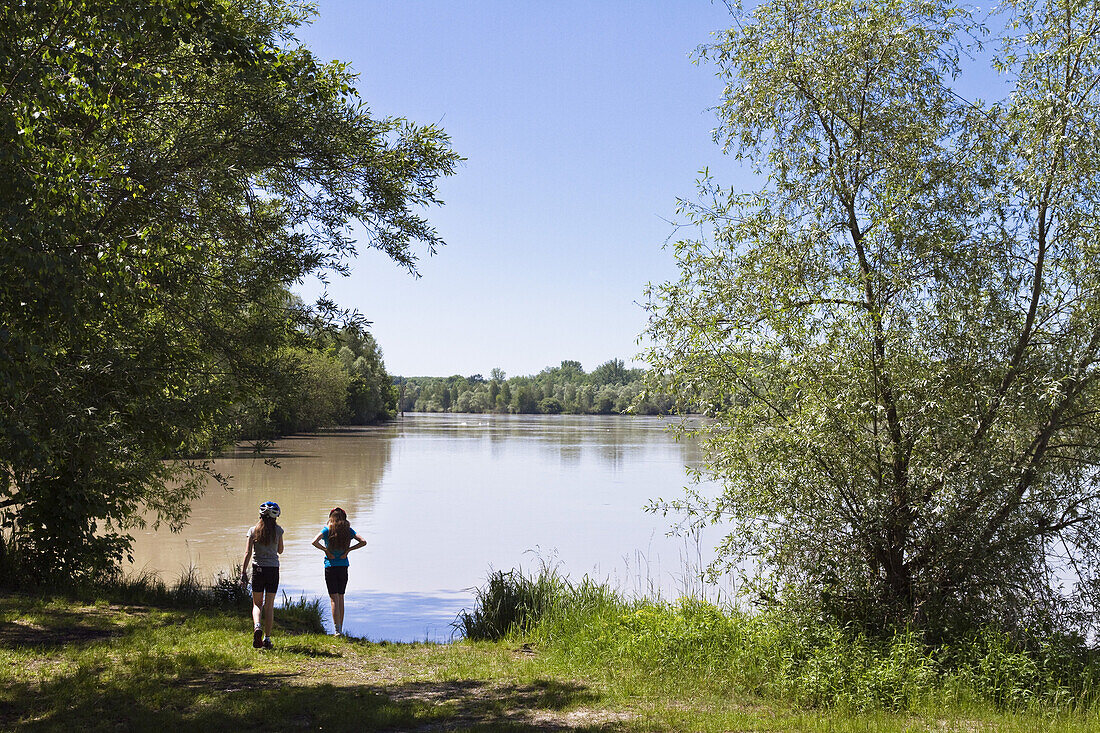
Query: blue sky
581	123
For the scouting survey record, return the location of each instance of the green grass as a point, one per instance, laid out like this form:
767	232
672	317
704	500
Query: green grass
589	660
68	665
695	649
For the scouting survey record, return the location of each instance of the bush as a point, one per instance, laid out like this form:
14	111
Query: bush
550	406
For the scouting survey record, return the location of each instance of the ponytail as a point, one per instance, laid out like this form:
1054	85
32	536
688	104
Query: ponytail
264	531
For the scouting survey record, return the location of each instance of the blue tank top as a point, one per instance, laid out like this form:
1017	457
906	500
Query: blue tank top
341	559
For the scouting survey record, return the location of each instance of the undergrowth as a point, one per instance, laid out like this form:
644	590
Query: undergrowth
777	655
223	591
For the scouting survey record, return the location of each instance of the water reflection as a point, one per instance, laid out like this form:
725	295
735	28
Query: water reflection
612	438
314	473
442	498
406	616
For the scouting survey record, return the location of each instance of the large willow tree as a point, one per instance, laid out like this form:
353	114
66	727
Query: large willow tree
898	332
168	168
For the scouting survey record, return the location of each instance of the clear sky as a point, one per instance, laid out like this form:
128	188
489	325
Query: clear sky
581	123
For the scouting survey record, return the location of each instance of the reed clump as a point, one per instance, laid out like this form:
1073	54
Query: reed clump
224	591
301	615
511	602
190	590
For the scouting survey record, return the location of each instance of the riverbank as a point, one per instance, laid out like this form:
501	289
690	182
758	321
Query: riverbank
105	665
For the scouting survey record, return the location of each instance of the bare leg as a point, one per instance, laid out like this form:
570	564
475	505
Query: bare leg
337	601
257	608
257	617
269	614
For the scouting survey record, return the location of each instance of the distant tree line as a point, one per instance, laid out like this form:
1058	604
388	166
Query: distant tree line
609	389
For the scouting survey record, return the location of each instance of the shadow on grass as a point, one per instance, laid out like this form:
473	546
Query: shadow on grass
228	700
56	628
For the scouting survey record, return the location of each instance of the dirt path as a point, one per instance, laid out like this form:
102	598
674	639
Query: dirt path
539	705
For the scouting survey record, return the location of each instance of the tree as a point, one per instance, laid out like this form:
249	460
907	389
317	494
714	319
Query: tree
371	394
316	393
409	394
464	403
898	334
550	406
569	398
525	401
604	400
168	169
584	399
612	371
570	372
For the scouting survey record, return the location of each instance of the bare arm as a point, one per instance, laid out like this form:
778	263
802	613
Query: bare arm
359	542
320	546
247	557
280	548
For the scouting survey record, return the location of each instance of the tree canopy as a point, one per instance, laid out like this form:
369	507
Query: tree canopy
168	169
898	332
339	381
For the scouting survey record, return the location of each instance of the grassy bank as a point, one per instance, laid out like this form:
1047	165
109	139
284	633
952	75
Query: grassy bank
124	661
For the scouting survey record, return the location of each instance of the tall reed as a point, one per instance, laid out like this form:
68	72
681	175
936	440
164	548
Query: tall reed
511	602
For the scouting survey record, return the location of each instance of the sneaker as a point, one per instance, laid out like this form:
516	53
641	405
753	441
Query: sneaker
257	639
267	644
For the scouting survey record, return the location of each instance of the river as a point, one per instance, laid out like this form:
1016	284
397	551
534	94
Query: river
443	498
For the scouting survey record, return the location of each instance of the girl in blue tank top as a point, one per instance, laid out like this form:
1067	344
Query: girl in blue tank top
334	540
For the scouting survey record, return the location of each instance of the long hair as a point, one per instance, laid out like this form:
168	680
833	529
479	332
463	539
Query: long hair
339	530
264	531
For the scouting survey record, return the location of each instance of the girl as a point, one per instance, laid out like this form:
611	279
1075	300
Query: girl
337	536
266	538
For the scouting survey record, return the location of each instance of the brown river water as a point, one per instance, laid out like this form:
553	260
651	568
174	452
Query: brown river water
441	500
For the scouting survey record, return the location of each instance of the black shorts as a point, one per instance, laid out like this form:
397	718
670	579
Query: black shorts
265	580
337	580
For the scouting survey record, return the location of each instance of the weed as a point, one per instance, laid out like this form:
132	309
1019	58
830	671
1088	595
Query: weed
302	615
